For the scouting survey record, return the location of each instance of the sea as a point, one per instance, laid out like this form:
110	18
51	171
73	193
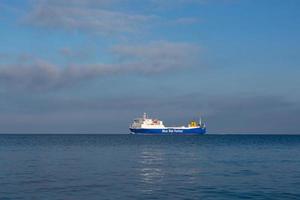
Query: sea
125	167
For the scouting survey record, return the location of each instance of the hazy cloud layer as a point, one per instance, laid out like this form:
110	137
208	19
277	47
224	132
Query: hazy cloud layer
157	56
82	16
247	114
254	114
149	58
105	17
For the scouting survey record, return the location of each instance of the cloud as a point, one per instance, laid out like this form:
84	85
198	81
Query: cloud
177	4
90	15
39	74
105	17
155	57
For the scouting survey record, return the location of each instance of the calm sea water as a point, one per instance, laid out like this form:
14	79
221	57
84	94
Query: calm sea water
84	167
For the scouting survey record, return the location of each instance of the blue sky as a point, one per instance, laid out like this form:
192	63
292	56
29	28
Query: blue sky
92	66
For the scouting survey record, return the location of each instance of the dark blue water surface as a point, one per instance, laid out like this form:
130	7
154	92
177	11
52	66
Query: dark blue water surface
83	167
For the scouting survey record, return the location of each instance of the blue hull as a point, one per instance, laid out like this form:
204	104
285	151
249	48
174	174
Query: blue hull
169	131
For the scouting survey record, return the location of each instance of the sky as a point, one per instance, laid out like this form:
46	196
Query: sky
74	66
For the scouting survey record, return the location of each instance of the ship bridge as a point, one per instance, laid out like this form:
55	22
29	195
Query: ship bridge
146	122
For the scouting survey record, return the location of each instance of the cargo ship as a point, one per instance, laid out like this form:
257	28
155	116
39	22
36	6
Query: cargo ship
148	126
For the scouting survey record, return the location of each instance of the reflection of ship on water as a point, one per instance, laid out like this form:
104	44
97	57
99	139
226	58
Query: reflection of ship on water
151	170
160	168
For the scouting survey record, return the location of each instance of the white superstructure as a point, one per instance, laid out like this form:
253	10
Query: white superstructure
148	123
145	122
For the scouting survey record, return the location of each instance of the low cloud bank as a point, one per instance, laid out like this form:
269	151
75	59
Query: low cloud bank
155	57
248	114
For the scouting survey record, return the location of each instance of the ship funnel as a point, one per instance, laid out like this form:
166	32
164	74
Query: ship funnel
145	116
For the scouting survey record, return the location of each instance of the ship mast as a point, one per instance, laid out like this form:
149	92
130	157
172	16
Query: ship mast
200	121
145	116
